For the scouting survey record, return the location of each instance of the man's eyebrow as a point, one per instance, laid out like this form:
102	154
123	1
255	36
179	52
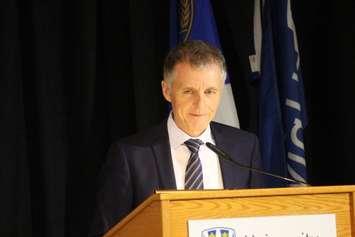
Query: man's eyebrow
187	87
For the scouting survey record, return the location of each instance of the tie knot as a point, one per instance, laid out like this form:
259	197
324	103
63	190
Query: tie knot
193	145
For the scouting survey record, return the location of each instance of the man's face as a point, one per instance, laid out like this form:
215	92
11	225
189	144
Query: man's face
194	95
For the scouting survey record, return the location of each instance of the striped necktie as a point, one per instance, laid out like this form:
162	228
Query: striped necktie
193	173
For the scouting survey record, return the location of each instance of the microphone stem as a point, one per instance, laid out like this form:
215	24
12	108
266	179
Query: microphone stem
268	174
227	157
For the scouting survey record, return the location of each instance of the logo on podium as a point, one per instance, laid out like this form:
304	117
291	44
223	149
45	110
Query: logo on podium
218	232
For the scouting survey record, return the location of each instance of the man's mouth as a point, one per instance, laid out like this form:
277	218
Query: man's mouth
197	115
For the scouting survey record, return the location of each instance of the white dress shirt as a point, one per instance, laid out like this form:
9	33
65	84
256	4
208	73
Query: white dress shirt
212	176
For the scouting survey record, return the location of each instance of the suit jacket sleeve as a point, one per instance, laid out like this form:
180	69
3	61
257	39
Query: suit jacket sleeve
114	197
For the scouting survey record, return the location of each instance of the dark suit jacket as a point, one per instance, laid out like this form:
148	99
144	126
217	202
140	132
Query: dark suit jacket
140	164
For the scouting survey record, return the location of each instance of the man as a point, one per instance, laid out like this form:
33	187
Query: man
173	155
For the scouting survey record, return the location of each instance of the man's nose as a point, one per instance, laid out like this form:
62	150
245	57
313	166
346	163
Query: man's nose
199	99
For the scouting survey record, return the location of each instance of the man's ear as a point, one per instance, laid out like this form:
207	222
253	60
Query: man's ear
166	90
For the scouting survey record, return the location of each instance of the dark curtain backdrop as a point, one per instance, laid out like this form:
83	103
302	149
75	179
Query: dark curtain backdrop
77	75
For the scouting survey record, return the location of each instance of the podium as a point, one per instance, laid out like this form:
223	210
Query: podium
165	213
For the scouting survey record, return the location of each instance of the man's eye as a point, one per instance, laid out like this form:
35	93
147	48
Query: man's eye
210	92
187	91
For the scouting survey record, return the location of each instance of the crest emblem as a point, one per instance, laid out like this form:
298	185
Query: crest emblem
218	232
186	15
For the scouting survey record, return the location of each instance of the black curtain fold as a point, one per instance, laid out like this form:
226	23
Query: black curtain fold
45	114
325	34
78	75
14	169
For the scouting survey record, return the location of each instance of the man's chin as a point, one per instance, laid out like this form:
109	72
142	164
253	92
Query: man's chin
197	130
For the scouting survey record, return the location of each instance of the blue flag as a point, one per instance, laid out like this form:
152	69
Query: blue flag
194	20
282	112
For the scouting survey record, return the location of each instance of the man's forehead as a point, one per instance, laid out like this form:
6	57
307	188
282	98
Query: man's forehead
197	82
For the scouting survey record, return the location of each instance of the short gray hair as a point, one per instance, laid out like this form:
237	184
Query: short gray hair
196	53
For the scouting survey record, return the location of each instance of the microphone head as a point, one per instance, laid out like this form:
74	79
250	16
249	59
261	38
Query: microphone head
212	147
217	150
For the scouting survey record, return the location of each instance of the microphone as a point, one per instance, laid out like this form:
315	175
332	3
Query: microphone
225	156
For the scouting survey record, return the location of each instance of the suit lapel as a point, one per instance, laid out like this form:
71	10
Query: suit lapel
228	169
162	153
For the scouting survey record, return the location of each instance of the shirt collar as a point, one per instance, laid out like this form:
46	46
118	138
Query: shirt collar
177	137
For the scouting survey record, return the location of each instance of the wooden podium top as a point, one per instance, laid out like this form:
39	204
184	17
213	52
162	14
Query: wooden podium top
166	212
231	193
